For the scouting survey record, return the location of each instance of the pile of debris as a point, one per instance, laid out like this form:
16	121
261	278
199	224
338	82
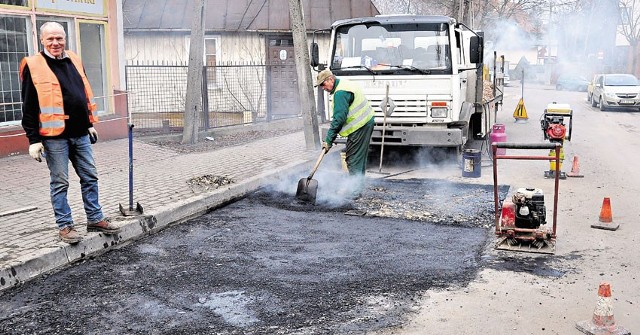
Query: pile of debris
208	182
450	204
487	90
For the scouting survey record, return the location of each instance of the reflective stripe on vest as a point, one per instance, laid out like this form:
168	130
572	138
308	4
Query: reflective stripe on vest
50	94
360	111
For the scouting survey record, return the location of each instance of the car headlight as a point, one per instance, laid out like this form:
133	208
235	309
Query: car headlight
439	112
610	95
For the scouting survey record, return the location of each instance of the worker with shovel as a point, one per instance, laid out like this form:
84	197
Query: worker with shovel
353	118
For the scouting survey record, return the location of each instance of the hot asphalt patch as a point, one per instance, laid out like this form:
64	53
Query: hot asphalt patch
267	265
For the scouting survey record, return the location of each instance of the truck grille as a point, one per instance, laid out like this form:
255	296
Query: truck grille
407	111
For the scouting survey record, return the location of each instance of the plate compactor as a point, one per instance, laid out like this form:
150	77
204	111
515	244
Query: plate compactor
555	130
521	222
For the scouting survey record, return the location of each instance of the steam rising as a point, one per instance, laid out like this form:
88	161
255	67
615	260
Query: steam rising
335	186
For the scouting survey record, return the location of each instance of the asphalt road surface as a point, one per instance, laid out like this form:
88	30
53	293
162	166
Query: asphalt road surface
270	265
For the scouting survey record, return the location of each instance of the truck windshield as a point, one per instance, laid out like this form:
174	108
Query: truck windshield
393	48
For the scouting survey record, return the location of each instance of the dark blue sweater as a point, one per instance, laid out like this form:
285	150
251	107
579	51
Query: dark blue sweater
74	101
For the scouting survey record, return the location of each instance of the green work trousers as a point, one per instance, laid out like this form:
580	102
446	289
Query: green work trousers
357	149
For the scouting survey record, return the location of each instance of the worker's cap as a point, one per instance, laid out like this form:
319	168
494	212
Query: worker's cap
322	76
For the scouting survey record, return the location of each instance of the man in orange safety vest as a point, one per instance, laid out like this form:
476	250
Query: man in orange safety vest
58	111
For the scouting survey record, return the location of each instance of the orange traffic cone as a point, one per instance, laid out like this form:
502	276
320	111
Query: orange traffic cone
602	321
606	221
575	169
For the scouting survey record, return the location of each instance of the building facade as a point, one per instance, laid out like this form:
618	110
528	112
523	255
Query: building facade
157	32
93	30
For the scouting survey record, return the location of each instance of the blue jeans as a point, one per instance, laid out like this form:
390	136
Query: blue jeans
58	153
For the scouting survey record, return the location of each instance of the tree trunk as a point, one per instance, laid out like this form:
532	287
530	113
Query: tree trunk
305	84
193	100
634	58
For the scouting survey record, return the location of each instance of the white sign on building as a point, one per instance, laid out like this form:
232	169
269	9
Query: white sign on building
95	7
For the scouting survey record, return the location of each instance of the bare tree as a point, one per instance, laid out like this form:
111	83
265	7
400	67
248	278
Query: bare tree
630	27
483	12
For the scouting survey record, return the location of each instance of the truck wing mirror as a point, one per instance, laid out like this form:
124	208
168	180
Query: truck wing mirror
476	49
314	54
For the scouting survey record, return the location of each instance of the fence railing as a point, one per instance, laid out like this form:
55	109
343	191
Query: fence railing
233	94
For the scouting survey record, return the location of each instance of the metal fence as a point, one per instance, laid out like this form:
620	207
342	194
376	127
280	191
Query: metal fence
233	94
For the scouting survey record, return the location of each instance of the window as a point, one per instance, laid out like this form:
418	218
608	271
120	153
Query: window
13	2
92	46
211	50
14	46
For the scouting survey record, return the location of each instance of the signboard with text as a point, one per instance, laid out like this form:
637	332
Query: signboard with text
95	7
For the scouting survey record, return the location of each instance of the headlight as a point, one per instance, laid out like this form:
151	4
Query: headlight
610	95
440	112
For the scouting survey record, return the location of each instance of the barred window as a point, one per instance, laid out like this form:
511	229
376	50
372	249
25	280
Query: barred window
13	47
210	60
14	2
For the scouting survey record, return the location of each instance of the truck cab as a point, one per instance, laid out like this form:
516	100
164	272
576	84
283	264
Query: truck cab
432	66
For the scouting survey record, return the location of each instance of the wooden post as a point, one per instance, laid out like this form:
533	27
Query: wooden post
305	82
193	100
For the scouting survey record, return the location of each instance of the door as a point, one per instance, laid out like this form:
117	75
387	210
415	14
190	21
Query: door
284	101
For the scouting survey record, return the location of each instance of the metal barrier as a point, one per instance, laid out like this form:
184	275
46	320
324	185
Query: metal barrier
233	94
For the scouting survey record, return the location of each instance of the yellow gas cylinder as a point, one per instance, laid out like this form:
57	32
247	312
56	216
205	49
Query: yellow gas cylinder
552	163
343	160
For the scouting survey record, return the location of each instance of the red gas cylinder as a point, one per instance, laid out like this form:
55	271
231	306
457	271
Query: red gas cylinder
498	135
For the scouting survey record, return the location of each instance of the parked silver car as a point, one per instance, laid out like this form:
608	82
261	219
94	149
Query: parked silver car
616	91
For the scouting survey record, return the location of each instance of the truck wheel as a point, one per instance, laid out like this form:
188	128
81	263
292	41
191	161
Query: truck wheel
589	98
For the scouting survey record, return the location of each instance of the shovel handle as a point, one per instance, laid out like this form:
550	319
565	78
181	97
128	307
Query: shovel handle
315	167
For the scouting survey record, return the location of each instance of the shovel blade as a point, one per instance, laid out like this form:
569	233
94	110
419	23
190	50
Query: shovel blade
307	190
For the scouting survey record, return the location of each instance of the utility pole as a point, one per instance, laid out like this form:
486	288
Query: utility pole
193	100
305	82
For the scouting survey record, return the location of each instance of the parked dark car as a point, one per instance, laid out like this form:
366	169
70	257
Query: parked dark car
572	83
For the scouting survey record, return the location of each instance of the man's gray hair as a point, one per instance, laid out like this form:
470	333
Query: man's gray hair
52	24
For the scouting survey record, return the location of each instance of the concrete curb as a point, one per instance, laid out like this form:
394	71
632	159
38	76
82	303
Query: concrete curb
49	260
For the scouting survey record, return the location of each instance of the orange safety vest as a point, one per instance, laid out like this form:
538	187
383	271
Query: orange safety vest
50	94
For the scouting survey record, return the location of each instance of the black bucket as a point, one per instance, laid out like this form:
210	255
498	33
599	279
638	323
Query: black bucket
471	160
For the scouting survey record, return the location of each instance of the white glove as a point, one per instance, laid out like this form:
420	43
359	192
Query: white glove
36	150
93	135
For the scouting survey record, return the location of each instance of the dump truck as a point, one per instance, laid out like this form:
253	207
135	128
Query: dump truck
433	68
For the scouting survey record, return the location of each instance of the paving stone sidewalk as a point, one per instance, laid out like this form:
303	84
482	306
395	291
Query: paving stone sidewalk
29	243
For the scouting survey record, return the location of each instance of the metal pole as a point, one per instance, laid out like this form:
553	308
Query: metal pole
384	125
130	166
522	85
557	183
495	186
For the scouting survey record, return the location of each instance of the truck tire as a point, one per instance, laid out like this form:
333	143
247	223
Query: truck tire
589	97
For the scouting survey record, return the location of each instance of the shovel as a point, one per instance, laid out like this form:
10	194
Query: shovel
307	187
